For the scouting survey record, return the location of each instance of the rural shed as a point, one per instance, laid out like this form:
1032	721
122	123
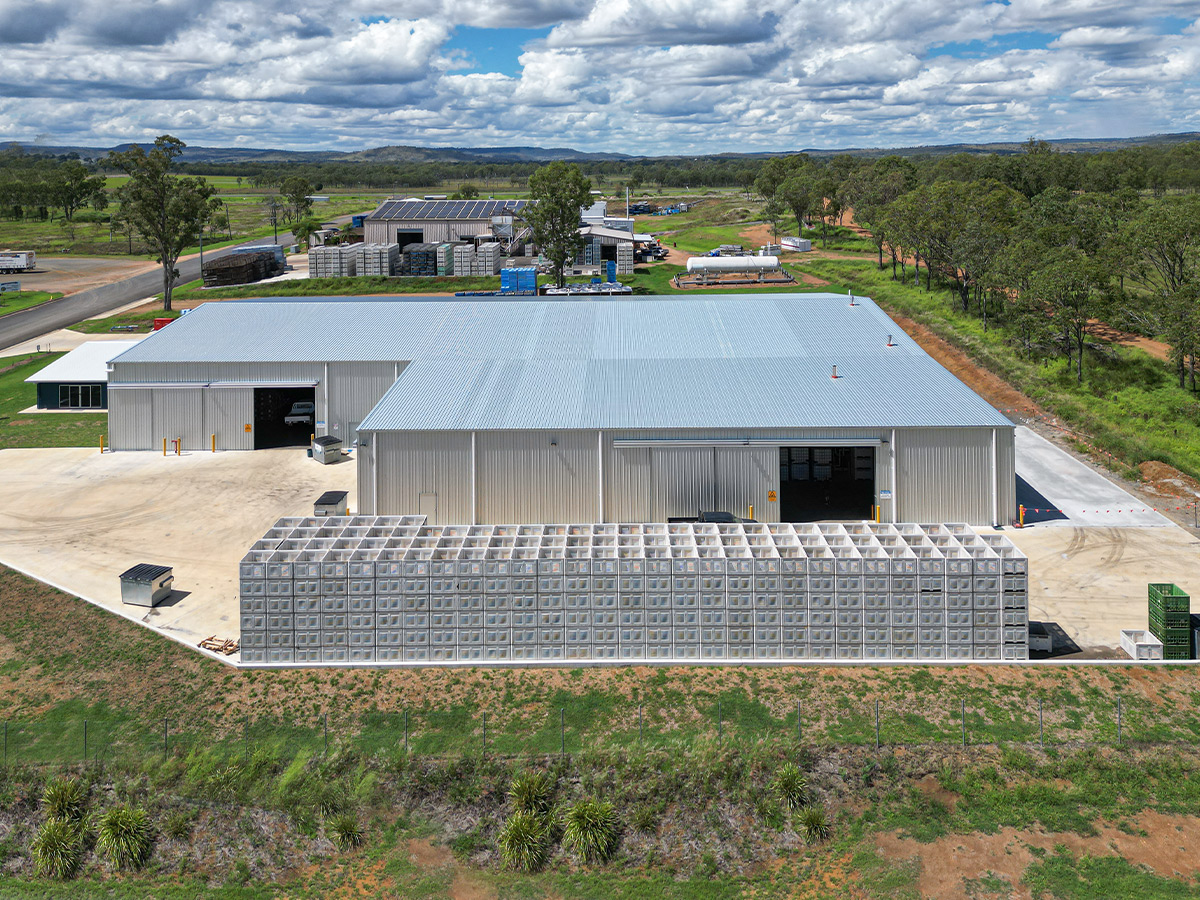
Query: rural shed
78	380
642	410
414	221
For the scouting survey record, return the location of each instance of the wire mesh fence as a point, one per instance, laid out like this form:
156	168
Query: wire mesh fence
589	725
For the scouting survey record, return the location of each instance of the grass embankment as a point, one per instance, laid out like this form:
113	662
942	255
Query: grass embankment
65	429
14	301
242	793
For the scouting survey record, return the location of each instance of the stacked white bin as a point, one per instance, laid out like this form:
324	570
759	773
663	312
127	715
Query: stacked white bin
377	259
337	261
385	590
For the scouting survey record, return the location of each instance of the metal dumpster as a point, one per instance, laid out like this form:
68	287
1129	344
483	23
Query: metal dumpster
331	503
327	449
146	584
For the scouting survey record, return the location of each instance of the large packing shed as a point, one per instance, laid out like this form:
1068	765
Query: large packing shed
415	221
510	411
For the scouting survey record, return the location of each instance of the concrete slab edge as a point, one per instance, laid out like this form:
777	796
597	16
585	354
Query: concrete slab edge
151	628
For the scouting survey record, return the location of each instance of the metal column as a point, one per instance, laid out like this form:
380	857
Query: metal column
895	487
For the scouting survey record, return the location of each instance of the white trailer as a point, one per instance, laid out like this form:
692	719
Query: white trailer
17	261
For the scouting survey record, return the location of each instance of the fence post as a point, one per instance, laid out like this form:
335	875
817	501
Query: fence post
485	733
964	721
876	726
85	741
165	745
562	731
799	735
326	721
1041	733
640	734
1118	720
720	736
406	731
6	745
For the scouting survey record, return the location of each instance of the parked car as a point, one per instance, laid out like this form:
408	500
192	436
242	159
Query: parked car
301	413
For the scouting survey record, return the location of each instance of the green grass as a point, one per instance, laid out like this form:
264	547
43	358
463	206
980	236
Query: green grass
89	234
13	301
40	429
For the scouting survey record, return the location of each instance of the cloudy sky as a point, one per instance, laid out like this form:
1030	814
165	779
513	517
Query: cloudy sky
632	76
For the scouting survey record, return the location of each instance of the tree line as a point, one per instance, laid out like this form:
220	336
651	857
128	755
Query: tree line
1046	242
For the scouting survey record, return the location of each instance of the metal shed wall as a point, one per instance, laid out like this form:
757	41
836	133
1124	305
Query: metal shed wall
409	465
942	474
537	476
435	231
140	418
947	474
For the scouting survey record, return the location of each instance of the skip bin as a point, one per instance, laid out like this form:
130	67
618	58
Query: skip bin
330	503
146	584
327	449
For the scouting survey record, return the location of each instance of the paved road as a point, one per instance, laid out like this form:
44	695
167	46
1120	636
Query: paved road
1057	489
28	324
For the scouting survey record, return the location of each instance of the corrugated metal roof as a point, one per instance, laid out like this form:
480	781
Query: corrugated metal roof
87	363
446	209
723	361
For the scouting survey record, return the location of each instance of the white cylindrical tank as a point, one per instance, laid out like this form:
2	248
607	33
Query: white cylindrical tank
713	265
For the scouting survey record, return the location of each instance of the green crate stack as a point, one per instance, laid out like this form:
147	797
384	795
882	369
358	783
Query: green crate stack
1170	620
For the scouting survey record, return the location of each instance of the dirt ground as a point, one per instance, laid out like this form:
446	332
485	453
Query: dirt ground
1165	844
69	274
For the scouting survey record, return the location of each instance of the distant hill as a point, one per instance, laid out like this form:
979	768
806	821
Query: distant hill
411	154
1065	145
197	154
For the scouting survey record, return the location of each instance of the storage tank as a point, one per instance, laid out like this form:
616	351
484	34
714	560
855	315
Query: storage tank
714	265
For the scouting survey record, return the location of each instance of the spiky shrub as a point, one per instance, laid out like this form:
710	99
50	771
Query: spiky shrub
814	823
57	849
523	843
791	787
591	830
645	819
532	792
345	831
64	799
123	837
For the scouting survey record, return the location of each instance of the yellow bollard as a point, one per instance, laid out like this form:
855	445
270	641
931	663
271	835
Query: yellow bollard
1021	523
214	443
164	446
101	443
178	446
751	510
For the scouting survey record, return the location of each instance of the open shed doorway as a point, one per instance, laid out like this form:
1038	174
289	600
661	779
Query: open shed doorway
818	484
271	407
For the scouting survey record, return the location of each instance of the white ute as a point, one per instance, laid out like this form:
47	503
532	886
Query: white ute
301	414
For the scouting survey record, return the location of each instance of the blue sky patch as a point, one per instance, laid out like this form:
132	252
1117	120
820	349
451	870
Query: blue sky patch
1018	40
494	49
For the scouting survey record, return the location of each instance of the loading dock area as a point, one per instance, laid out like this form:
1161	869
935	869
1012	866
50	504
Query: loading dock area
76	519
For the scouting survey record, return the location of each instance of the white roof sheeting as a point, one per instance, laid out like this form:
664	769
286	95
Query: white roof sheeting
87	363
725	361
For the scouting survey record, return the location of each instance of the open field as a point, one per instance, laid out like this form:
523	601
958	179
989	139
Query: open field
90	235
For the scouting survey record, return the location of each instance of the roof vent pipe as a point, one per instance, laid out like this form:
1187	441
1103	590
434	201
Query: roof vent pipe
835	374
851	293
890	342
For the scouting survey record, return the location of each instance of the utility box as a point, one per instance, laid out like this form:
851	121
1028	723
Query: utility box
331	503
146	584
327	449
